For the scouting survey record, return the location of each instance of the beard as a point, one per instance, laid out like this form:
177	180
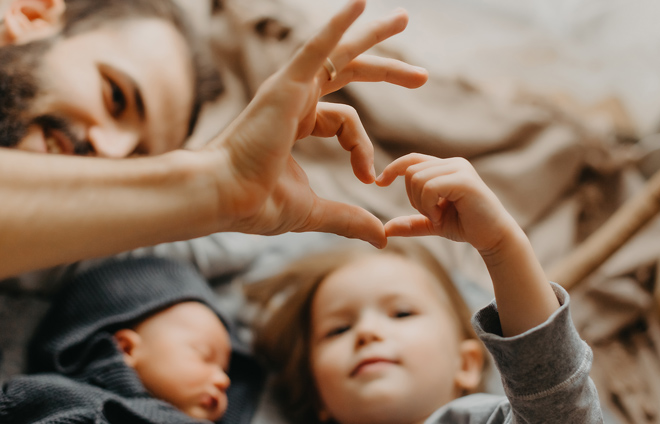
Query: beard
18	88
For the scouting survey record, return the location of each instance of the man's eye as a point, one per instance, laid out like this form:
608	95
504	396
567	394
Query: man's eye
117	100
337	331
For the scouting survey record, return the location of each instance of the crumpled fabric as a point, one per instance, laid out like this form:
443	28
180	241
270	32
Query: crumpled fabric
560	174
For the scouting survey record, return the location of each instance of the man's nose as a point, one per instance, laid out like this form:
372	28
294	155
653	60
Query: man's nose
113	142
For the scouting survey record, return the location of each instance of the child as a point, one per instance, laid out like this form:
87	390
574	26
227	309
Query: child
361	337
138	340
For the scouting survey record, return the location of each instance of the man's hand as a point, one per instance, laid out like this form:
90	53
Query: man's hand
261	188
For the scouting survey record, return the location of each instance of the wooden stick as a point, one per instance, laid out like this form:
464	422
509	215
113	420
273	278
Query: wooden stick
616	231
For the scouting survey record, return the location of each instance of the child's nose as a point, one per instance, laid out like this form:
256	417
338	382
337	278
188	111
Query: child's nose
367	338
368	331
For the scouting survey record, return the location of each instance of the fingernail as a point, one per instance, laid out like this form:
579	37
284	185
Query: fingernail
373	171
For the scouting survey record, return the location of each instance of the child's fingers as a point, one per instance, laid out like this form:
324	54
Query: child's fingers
308	61
432	184
423	180
399	167
410	166
412	182
438	193
345	220
368	68
343	121
409	226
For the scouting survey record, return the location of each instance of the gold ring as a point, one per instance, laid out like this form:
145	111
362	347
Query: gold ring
330	67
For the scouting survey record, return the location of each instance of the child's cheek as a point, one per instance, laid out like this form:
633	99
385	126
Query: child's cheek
325	360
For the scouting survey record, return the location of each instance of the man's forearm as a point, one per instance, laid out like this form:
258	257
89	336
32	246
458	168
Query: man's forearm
58	210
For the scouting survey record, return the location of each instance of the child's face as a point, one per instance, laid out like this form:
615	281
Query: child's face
181	355
384	347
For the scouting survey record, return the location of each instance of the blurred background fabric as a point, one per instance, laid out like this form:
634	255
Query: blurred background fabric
555	102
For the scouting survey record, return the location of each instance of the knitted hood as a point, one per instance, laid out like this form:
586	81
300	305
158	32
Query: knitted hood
103	300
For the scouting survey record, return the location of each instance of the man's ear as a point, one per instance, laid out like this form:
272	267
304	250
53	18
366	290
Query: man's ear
468	377
31	20
128	342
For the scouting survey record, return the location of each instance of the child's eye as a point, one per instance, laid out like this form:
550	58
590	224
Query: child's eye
205	352
337	330
403	313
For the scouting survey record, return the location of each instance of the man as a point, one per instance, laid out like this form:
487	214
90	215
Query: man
100	78
60	209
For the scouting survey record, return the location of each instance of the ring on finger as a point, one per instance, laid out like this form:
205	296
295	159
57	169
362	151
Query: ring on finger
330	67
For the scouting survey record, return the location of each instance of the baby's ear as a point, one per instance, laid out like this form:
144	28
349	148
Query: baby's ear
31	20
128	341
468	377
324	415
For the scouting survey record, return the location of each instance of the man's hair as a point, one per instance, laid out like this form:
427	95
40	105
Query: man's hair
86	15
18	87
282	329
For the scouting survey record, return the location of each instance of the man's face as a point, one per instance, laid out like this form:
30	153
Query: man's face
124	88
384	347
181	356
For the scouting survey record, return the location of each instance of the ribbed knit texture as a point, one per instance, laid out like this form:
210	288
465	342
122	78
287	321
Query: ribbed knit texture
75	340
106	299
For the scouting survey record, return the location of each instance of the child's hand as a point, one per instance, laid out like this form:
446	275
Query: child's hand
261	189
453	202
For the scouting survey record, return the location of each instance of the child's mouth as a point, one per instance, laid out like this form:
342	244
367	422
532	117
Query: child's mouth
371	365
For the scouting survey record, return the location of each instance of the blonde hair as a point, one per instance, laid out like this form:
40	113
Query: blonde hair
282	330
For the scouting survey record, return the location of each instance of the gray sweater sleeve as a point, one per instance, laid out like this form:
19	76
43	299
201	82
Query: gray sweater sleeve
545	371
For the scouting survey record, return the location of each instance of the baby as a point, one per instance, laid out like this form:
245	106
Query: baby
138	340
360	336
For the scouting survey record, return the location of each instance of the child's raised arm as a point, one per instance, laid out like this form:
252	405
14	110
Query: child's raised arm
456	204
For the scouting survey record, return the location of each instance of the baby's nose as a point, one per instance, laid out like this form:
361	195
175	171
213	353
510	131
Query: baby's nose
222	380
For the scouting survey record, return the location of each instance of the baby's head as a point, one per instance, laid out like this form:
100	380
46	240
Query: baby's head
155	315
365	336
181	355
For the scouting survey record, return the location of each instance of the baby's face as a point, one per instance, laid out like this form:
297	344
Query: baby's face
182	355
384	347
